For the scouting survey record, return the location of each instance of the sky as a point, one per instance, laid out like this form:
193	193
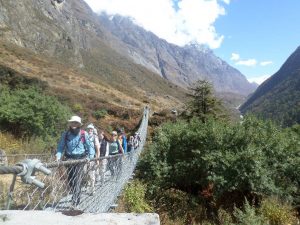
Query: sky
254	36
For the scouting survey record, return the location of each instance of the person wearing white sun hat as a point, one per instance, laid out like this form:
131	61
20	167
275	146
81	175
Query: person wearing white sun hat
75	144
93	169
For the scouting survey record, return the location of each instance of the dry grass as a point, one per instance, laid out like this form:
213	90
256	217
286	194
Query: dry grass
5	183
12	145
60	76
9	143
125	90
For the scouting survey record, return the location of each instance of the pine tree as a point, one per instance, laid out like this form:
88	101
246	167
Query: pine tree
203	103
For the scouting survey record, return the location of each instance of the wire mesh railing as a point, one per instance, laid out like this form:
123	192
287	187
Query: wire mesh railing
90	186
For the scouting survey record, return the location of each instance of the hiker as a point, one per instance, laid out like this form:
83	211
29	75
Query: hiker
115	148
74	144
104	151
122	138
137	140
92	167
130	145
104	140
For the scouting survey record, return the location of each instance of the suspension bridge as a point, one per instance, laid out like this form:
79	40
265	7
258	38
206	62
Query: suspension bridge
42	184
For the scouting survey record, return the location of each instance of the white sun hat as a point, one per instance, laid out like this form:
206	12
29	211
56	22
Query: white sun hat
75	119
90	126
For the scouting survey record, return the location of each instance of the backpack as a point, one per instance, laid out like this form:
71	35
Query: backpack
114	148
82	138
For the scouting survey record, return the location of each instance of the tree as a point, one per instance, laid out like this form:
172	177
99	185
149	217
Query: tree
203	103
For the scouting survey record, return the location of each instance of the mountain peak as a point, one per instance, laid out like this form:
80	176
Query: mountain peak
199	47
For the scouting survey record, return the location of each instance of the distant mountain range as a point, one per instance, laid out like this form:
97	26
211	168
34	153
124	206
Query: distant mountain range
181	65
278	98
113	52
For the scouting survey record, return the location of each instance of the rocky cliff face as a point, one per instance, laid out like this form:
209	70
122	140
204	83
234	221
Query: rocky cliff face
181	65
56	28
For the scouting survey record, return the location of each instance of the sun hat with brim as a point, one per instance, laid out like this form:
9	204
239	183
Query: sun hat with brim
75	119
90	126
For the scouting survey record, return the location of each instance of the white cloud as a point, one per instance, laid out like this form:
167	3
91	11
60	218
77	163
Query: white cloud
238	61
265	63
259	79
192	21
227	1
235	57
249	62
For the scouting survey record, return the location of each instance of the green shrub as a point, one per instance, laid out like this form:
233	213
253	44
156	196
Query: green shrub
109	129
248	216
254	157
179	205
101	113
277	212
78	108
30	113
134	196
224	217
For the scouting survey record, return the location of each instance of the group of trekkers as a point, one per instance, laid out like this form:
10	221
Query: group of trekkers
76	143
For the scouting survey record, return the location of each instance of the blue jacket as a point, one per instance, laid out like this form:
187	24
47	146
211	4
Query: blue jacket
124	143
73	145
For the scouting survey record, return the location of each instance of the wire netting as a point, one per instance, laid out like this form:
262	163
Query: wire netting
90	186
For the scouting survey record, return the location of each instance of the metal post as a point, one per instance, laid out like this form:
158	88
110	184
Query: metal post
10	193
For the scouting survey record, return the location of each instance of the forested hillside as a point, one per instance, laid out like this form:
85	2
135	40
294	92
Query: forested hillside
278	98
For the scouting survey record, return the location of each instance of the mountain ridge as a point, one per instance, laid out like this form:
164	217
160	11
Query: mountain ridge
69	34
181	65
278	97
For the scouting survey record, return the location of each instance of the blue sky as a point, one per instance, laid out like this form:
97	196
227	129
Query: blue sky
254	36
266	30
